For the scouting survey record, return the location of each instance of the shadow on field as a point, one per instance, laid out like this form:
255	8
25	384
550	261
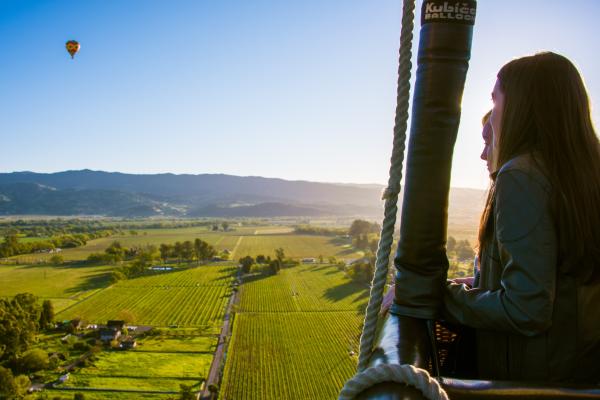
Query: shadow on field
345	252
340	241
344	290
95	281
322	268
64	265
248	278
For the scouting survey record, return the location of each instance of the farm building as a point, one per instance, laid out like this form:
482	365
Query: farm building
109	334
309	260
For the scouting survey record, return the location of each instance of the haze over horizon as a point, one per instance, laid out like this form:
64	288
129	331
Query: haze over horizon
292	91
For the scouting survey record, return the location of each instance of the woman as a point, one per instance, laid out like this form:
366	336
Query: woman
535	304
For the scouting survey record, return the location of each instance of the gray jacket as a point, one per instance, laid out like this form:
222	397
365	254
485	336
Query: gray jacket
533	322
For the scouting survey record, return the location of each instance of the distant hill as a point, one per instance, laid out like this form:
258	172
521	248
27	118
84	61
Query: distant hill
89	192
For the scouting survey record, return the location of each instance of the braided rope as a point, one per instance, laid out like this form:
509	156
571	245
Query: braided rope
407	374
393	190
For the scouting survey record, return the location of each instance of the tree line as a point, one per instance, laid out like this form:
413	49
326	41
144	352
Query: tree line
273	265
13	246
21	318
137	259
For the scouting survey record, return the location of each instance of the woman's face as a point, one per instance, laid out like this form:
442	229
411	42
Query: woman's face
495	121
486	155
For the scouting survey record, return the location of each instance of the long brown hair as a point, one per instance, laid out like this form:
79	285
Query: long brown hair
547	115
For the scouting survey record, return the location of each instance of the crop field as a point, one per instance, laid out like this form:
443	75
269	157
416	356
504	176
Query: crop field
291	355
303	288
296	246
294	335
192	297
64	285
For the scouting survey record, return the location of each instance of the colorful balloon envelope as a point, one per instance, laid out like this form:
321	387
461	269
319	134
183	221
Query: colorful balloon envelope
72	47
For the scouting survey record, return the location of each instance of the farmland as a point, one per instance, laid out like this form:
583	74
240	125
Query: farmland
294	334
64	285
243	241
192	297
159	364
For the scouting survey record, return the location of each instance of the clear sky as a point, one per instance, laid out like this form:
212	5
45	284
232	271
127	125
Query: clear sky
295	90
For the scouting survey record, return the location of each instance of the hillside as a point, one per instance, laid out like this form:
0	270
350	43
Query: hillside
89	192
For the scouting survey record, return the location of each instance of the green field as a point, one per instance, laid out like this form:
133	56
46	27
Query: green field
303	288
294	334
191	297
64	285
108	395
242	241
159	364
295	246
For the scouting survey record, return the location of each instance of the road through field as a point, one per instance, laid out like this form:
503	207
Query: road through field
216	366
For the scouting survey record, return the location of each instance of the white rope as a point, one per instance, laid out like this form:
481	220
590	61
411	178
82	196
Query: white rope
393	190
407	374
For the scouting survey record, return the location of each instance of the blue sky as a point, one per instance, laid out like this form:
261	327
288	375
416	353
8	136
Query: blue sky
295	90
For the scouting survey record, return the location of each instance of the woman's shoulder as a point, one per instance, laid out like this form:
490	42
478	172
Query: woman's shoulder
528	168
521	198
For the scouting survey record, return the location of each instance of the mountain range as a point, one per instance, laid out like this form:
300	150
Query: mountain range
87	192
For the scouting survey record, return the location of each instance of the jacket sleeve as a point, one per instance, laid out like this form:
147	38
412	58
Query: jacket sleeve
527	245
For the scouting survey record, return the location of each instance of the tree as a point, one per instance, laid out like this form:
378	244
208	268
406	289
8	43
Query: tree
79	396
374	245
362	271
246	263
225	225
359	227
116	251
464	251
274	267
178	251
165	251
19	322
116	276
187	250
47	314
280	255
22	384
34	360
10	245
57	259
203	250
362	242
260	259
8	388
450	244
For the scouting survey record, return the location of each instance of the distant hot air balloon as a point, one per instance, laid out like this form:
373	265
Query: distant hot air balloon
72	47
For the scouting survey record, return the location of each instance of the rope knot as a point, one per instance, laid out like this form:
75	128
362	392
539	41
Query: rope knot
391	192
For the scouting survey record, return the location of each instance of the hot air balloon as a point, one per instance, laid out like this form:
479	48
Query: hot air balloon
72	47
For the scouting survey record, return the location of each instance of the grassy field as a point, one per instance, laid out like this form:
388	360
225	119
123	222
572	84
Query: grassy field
296	246
64	285
303	288
109	395
192	297
293	335
159	363
242	241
